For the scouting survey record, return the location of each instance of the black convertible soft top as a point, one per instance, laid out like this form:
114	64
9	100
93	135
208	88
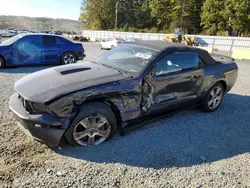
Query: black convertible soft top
168	48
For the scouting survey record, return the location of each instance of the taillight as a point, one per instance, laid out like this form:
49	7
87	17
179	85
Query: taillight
118	42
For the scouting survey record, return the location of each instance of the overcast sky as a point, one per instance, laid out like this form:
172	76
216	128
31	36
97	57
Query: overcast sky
69	9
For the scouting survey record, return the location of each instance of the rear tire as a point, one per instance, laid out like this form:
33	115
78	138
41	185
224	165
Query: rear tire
79	133
213	98
1	63
68	58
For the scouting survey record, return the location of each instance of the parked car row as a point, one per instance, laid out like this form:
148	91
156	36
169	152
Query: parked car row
39	49
80	38
13	32
110	43
8	33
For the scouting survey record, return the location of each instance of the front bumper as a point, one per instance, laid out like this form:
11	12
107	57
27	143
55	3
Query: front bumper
42	127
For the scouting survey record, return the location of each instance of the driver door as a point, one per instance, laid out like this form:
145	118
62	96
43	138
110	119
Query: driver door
177	80
28	50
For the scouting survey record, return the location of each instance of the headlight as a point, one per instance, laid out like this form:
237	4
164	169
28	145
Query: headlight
40	108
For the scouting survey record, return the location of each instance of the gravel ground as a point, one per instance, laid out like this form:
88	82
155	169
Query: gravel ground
189	149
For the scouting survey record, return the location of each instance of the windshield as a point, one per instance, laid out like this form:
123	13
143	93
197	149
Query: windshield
129	59
12	40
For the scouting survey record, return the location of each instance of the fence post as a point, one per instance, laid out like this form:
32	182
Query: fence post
213	43
232	45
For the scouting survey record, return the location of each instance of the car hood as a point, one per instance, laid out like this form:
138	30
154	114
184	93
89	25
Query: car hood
49	84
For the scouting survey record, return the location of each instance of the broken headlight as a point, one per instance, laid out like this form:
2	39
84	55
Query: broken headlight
39	108
62	107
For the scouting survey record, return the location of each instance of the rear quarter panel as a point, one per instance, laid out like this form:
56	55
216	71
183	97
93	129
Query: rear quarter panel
71	47
227	72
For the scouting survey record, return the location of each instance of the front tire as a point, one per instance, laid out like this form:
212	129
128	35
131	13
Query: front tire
94	124
68	58
213	98
1	63
100	46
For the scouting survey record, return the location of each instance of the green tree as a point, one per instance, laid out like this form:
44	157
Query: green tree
134	14
98	14
171	14
143	18
237	15
161	12
192	17
212	18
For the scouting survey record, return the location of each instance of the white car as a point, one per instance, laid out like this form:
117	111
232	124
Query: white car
110	43
8	33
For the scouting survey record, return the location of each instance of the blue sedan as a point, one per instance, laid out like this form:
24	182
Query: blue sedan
39	49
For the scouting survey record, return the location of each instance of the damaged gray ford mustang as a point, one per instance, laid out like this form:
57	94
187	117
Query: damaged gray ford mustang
87	103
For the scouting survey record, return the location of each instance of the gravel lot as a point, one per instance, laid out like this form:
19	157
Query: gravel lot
190	149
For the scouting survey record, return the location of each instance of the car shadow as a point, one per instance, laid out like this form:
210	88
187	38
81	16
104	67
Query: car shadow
20	70
185	139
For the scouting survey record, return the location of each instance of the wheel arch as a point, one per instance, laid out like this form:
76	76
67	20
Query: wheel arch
224	84
4	61
64	52
206	89
111	104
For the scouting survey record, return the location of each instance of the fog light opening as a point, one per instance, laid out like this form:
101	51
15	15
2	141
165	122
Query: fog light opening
41	126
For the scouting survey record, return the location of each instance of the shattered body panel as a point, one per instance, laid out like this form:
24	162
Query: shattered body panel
125	95
63	90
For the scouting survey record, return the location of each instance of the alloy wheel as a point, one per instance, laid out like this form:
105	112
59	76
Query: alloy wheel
215	97
69	59
92	130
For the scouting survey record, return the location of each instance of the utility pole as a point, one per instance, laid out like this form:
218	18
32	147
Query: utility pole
116	13
182	12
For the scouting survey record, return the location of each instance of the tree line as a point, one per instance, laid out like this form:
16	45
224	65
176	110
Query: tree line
212	17
36	24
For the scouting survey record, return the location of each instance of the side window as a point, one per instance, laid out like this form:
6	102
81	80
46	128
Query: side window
29	45
61	41
178	61
49	40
